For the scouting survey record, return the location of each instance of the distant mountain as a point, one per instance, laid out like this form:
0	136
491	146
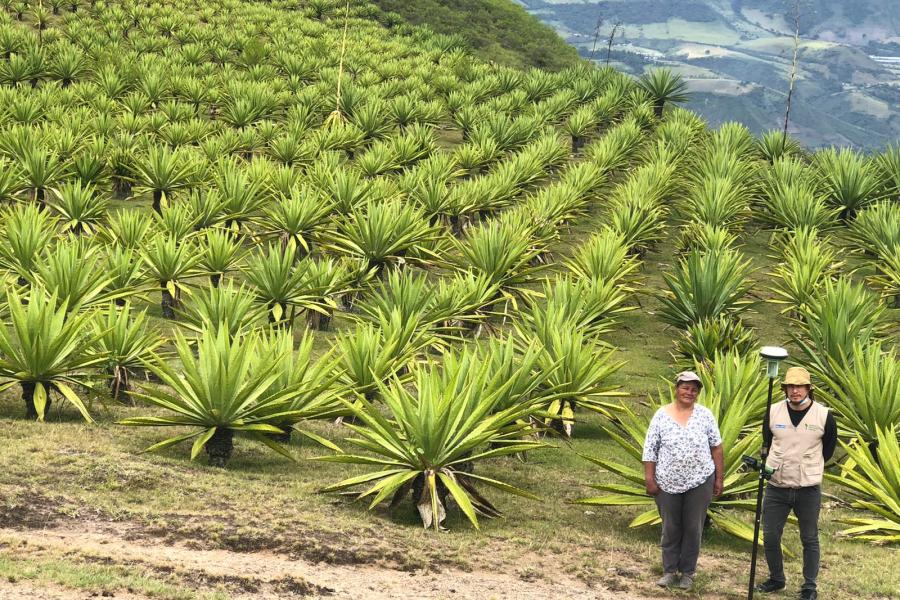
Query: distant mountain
736	55
497	30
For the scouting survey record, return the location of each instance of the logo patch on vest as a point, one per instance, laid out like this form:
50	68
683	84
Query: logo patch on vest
811	427
780	426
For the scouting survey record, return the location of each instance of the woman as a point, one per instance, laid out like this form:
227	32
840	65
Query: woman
683	469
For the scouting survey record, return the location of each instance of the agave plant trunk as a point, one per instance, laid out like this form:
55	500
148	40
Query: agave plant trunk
317	321
121	188
658	108
28	397
169	303
215	279
422	497
456	225
157	201
220	446
577	143
119	386
285	436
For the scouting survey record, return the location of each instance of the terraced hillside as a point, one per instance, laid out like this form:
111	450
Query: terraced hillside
293	251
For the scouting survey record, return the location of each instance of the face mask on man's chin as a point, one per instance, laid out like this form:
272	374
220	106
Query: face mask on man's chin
799	402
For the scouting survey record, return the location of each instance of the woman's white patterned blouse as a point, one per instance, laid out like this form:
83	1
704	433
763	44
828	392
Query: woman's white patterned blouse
682	454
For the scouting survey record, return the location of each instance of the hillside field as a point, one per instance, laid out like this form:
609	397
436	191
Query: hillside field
261	258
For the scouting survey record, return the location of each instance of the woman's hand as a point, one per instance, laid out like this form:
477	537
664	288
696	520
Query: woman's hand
652	488
718	456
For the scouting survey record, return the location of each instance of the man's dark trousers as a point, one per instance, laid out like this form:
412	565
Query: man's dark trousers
777	505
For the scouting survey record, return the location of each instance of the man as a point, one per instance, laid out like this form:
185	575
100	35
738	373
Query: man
801	435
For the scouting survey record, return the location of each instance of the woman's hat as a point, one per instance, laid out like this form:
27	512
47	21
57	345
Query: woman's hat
796	376
688	376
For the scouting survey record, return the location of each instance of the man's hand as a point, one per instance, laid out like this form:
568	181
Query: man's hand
718	487
652	488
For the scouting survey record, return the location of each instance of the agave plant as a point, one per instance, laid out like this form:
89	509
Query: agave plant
45	351
577	370
80	208
718	200
432	437
243	399
843	314
163	172
222	253
296	219
724	334
124	341
639	221
603	257
805	264
284	286
774	145
414	297
864	390
706	238
849	179
888	168
888	275
874	485
28	232
125	272
704	286
313	381
170	265
126	228
373	353
797	204
588	305
222	307
876	229
663	86
41	170
503	254
384	234
734	389
73	273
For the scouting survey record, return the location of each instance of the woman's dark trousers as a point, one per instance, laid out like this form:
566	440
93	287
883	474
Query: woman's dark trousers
683	516
805	503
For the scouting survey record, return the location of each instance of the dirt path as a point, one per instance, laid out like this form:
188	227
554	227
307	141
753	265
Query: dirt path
265	575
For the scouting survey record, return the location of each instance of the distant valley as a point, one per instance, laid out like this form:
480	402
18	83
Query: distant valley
736	56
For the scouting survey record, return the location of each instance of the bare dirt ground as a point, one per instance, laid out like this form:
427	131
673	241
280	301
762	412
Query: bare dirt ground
266	575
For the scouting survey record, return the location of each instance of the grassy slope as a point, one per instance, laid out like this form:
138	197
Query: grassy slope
498	30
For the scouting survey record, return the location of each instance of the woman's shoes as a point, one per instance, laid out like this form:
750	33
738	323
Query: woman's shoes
668	580
685	582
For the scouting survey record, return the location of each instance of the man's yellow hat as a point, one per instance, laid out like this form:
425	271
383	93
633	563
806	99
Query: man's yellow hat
796	376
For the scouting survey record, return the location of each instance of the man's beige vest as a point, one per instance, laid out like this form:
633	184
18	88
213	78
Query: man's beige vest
796	452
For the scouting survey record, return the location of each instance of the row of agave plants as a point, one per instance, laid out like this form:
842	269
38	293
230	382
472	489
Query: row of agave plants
138	100
703	297
841	326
